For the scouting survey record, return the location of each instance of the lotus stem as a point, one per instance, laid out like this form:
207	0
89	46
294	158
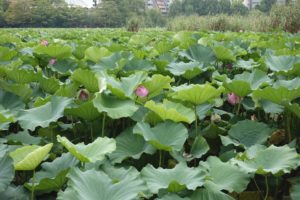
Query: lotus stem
92	134
196	122
160	158
288	126
267	188
32	185
103	124
257	187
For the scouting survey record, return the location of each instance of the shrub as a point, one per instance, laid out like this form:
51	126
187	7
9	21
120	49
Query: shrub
133	24
286	18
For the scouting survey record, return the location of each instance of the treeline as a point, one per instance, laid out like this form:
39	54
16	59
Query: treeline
56	13
113	13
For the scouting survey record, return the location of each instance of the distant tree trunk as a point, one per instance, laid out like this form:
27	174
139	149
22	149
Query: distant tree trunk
95	3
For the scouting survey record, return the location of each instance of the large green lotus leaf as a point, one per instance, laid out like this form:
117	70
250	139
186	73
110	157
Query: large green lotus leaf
224	176
277	95
139	65
22	76
281	63
49	85
7	172
239	87
255	79
43	115
196	94
202	110
23	137
126	86
92	152
29	157
224	54
187	70
21	90
270	107
52	176
168	136
64	66
246	64
289	84
199	147
85	111
200	53
248	133
130	145
172	111
295	190
15	193
10	101
92	185
67	90
173	197
95	54
6	54
270	160
114	107
244	83
294	108
157	84
184	39
6	116
208	194
174	180
54	51
116	61
87	78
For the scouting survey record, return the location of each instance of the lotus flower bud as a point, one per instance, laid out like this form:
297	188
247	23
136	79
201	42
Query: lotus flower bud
141	91
83	95
52	61
233	98
215	118
44	43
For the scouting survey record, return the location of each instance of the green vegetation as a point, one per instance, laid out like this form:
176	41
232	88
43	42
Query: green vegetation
196	15
105	114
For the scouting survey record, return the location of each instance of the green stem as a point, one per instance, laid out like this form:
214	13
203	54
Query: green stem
160	158
32	185
267	188
257	187
92	134
288	126
196	122
103	124
238	109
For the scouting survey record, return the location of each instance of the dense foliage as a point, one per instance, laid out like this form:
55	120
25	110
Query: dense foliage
111	115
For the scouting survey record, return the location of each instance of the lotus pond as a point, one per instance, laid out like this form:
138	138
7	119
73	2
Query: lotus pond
103	114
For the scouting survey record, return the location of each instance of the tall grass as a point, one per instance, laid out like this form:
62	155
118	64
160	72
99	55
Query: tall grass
285	18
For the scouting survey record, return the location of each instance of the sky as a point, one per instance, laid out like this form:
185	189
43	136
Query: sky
85	3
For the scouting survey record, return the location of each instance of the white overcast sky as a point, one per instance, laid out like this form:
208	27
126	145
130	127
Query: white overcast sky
86	3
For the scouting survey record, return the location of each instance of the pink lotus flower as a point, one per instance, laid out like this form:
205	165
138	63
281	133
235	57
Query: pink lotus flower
83	95
44	42
228	66
233	98
141	91
52	61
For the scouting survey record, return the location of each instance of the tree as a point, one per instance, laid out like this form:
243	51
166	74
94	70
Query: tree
238	8
266	5
107	15
154	18
176	8
18	13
